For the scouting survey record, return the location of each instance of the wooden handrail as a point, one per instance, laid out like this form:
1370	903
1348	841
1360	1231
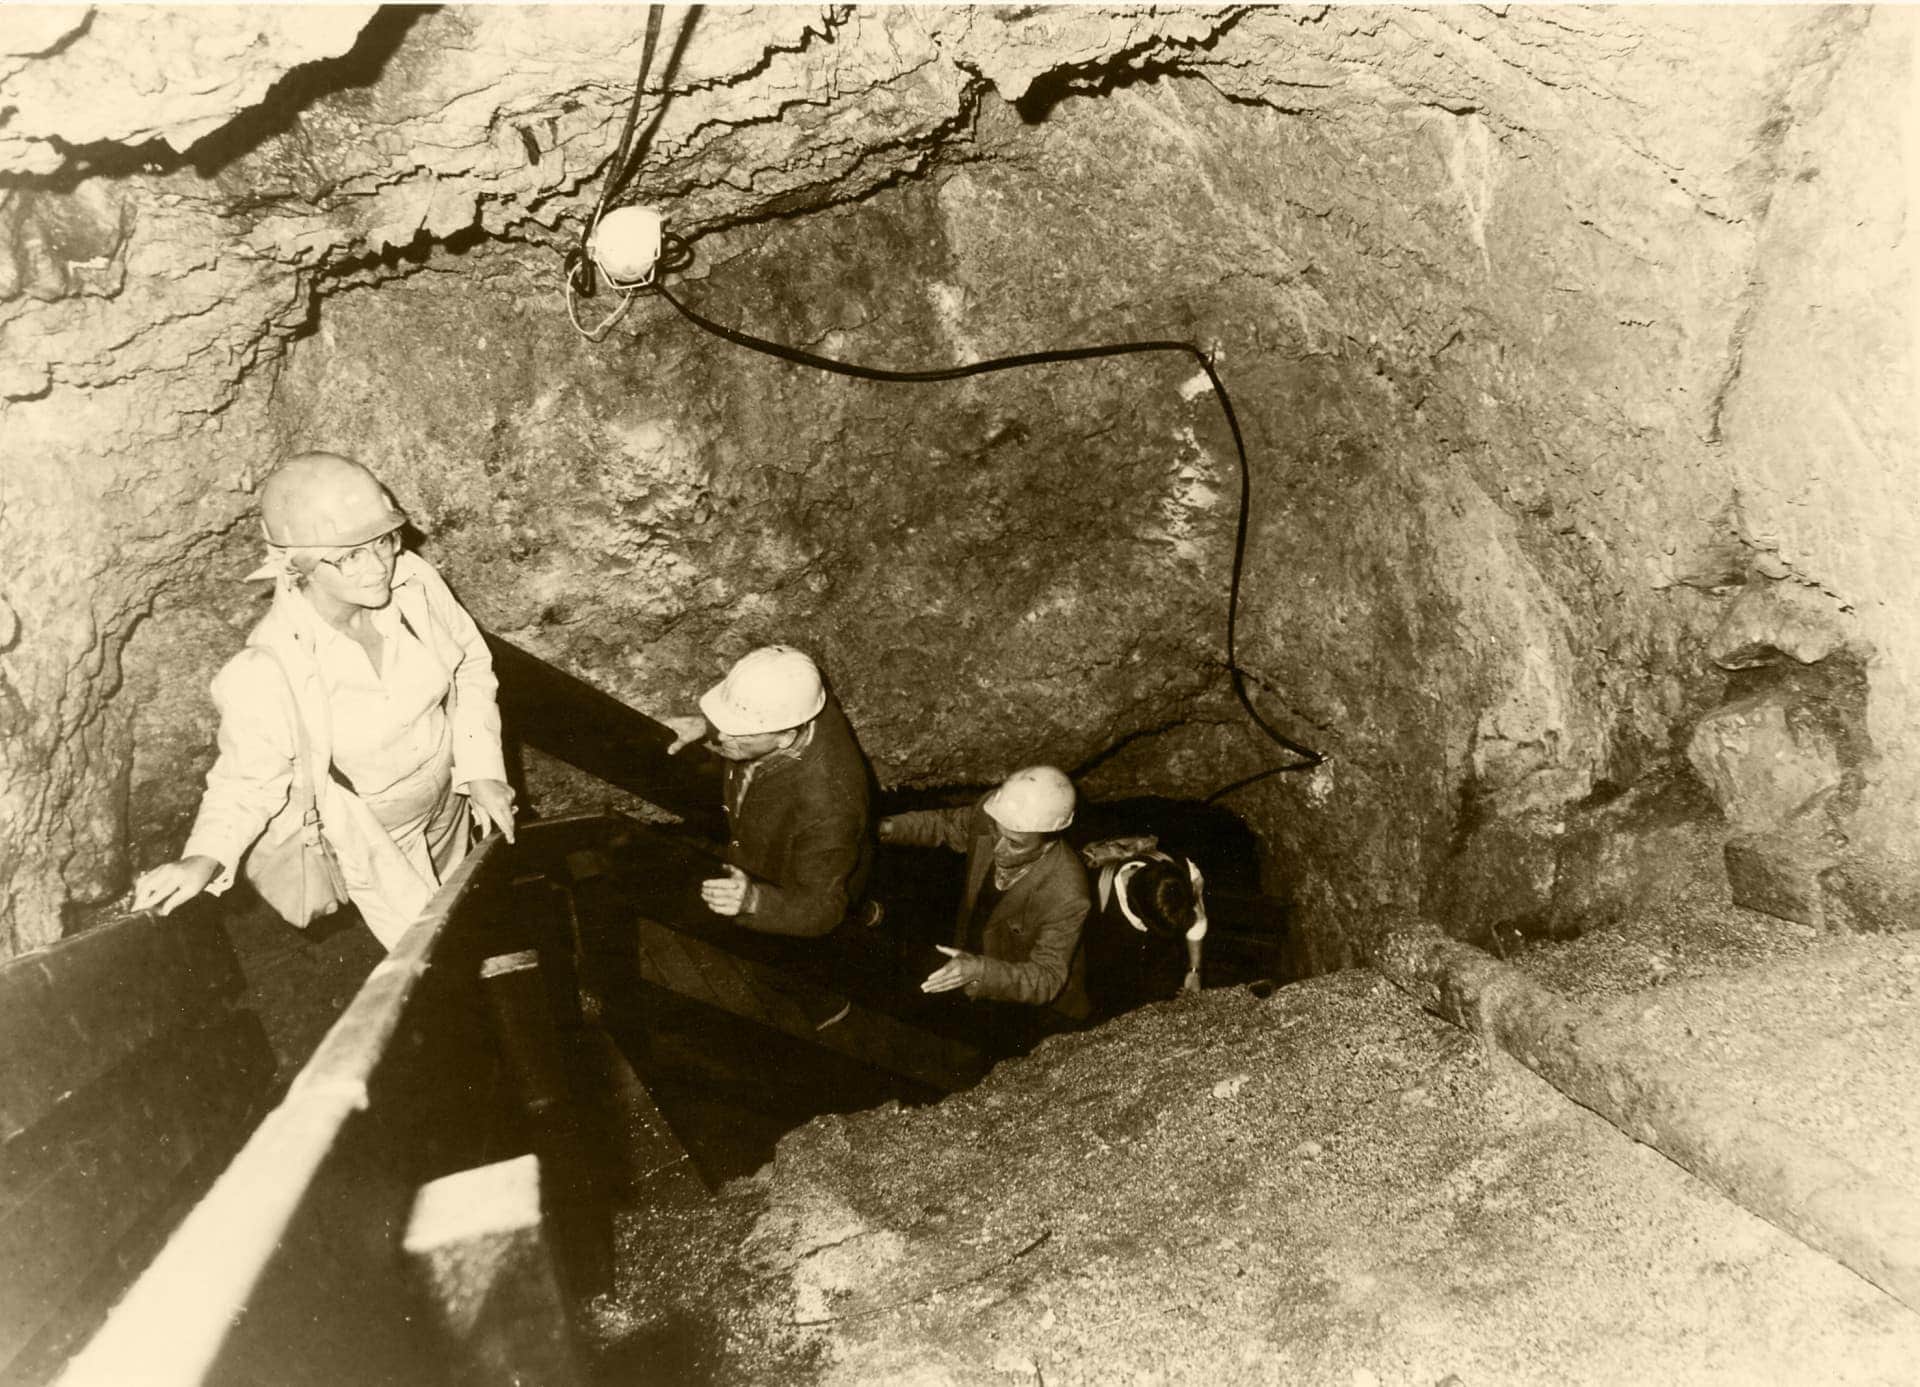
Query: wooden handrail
281	1274
568	718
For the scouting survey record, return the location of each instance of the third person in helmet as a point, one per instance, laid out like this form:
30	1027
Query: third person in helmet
1017	933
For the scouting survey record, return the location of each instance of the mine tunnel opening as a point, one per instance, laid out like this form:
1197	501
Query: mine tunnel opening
732	1085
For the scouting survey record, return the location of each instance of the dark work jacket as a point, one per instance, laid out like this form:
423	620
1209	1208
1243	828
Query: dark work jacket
804	830
1031	944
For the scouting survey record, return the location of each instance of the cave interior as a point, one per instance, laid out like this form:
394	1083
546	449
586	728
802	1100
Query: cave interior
1509	534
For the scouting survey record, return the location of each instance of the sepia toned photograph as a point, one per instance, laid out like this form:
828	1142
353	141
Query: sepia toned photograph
937	695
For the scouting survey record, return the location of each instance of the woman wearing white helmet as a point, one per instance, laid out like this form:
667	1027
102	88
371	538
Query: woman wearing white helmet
368	663
1017	932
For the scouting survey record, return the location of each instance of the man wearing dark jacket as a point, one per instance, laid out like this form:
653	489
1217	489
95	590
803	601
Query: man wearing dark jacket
797	795
1017	933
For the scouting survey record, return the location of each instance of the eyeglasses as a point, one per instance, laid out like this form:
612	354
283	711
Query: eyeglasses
380	549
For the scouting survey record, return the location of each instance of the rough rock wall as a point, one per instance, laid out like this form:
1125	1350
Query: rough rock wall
148	291
1820	416
1504	299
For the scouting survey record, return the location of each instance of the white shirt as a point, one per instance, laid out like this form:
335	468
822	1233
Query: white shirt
389	723
1113	884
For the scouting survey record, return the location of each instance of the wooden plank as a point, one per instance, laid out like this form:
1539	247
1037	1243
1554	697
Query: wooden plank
705	973
70	1013
545	910
288	1271
411	1041
774	994
574	1177
569	718
516	1000
480	1253
730	984
93	1298
879	1039
665	962
75	1187
644	1146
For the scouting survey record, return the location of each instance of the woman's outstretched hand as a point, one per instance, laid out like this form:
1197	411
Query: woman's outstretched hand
173	884
492	805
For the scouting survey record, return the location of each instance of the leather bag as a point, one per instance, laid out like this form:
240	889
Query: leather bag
299	876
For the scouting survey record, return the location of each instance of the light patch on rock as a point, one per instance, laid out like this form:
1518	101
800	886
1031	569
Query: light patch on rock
1320	784
1063	603
1193	491
831	1256
1770	622
853	1269
1471	170
1764	762
1534	744
176	74
950	306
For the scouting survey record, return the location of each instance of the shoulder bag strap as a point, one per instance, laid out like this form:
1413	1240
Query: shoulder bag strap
303	786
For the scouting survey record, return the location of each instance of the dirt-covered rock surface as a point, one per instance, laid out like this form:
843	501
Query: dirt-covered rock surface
1811	1034
1325	1186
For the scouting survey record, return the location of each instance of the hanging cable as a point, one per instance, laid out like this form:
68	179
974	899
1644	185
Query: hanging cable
677	255
579	267
623	168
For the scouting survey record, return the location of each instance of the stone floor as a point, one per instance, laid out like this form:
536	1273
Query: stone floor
1325	1186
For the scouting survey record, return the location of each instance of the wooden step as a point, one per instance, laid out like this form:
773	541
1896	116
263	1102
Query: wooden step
704	972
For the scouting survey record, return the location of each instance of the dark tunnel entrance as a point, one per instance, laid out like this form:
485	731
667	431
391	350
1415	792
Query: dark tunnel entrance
732	1084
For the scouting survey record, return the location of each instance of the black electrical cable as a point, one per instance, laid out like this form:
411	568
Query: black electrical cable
679	254
623	170
579	264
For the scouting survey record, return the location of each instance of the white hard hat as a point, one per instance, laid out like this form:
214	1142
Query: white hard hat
626	243
324	500
767	690
1038	799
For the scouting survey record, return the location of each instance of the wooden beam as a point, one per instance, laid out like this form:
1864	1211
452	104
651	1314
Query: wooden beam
646	1150
704	972
130	1078
482	1261
567	717
70	1013
575	1177
136	1140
